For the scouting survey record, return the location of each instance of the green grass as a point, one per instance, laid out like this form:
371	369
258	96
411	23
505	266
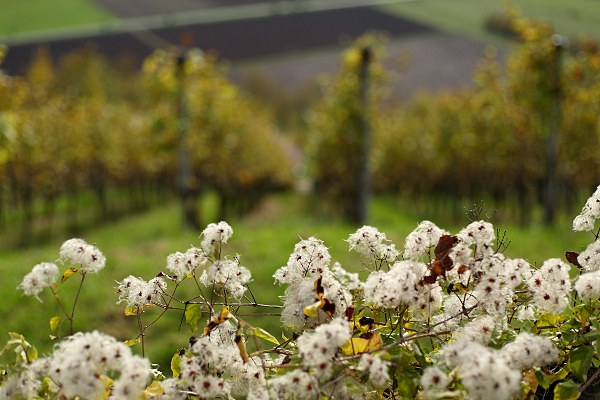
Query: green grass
138	245
467	17
19	16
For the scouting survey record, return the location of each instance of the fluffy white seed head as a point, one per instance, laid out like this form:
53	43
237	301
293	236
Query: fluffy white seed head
375	368
214	235
319	347
184	264
418	242
550	286
137	293
87	256
41	276
310	259
228	275
589	259
528	350
588	285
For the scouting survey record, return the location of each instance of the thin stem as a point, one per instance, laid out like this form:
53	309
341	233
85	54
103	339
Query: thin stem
413	337
72	317
165	308
60	304
259	315
399	323
210	305
238	304
139	321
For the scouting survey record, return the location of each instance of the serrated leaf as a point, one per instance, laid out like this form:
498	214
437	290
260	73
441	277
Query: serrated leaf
568	390
580	361
261	333
55	324
67	274
154	389
176	364
132	342
193	315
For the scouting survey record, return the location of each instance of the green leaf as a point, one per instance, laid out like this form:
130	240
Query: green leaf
580	361
193	314
261	333
67	274
543	378
407	378
568	390
46	388
587	338
32	353
17	336
419	354
176	363
24	351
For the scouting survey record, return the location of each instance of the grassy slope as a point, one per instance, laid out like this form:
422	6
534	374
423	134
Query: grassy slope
18	16
467	17
140	244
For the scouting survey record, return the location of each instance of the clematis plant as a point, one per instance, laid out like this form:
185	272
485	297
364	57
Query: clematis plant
448	317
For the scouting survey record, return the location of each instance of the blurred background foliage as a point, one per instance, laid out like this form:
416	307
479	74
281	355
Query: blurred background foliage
82	133
490	141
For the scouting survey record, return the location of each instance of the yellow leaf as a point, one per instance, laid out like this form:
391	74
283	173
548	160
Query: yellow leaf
176	362
531	380
154	389
362	345
313	309
55	324
107	385
213	323
239	341
261	333
67	274
354	346
132	342
132	310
